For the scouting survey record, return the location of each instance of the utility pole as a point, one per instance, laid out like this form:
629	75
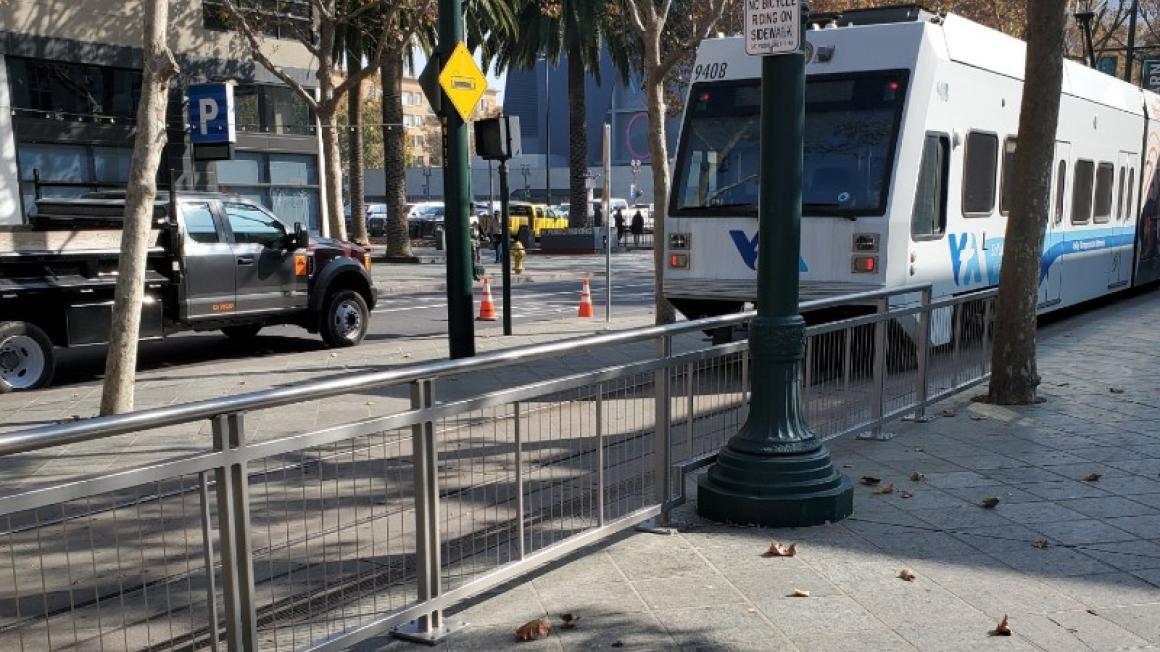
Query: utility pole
460	324
775	471
1131	42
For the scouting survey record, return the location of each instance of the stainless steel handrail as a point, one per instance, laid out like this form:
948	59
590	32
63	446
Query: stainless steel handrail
42	437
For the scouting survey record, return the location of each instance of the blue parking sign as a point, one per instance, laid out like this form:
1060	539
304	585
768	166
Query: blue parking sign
211	114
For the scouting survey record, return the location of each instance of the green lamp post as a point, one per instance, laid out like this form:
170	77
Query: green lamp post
774	471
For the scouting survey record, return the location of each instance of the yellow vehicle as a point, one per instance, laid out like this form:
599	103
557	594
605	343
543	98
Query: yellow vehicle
541	216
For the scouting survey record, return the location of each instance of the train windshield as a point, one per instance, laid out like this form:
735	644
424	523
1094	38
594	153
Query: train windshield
851	128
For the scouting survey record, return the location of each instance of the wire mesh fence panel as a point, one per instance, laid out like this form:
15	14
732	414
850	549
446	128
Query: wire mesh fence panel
121	570
839	378
333	536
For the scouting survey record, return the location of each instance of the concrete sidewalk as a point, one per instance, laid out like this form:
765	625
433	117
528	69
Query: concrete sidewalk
1091	583
431	275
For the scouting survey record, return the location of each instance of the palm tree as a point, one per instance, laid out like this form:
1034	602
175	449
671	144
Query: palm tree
549	29
487	24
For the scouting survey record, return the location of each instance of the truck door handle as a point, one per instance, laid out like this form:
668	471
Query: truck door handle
245	260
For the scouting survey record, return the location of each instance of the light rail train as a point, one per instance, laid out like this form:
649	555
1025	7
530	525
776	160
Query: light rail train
910	132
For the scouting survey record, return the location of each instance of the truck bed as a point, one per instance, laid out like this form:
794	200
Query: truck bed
27	240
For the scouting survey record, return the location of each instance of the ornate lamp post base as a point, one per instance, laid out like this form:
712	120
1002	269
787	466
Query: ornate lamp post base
792	490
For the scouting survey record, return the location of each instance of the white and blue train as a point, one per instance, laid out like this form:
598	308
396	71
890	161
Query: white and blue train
911	127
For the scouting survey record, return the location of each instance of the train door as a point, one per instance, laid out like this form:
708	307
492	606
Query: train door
1050	271
1123	230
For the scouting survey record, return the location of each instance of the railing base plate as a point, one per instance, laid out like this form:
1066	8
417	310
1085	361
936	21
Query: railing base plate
653	526
410	632
875	436
926	418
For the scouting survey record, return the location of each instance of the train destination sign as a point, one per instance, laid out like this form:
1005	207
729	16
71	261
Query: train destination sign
772	26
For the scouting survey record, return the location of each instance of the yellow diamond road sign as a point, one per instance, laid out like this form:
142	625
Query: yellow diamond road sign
462	81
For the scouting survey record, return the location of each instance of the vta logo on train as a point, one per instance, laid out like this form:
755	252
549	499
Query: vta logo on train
969	258
747	247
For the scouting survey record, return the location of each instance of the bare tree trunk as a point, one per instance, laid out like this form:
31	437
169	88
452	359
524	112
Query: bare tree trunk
577	141
148	145
358	213
659	160
394	154
332	159
1014	376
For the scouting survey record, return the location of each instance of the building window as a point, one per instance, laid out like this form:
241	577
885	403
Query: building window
979	168
287	184
1060	182
269	109
1008	176
283	19
1081	192
929	219
103	167
71	91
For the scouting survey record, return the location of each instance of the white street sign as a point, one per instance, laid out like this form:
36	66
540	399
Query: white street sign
772	26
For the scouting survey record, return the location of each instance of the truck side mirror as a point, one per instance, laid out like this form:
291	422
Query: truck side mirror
301	237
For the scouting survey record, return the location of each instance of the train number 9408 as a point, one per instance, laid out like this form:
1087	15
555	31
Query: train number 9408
709	71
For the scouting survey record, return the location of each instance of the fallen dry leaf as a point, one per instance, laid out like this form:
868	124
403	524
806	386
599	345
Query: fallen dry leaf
1092	477
978	417
847	466
751	610
906	575
907	494
799	593
989	503
569	620
778	550
1041	543
533	630
949	413
1002	629
618	644
1116	390
887	488
918	476
870	480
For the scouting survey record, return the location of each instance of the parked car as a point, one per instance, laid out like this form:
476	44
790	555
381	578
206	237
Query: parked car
377	220
216	262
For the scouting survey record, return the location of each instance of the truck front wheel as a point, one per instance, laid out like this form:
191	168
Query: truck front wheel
344	319
27	357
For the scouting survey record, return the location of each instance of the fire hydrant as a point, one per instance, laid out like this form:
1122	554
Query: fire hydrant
518	257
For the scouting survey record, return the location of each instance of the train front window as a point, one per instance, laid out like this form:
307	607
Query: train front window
851	128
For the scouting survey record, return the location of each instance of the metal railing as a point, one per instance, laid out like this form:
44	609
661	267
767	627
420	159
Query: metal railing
321	538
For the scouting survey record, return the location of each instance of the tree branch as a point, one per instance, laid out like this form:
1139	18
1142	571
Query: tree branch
256	49
634	14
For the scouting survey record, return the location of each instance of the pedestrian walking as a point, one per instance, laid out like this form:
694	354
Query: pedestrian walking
637	228
493	228
597	216
620	227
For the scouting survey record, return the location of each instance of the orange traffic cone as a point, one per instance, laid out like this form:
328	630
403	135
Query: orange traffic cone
486	306
585	301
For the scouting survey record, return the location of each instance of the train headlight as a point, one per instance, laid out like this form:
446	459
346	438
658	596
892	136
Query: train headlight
679	241
866	242
864	264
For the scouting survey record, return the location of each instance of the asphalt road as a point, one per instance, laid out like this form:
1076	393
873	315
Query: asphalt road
395	320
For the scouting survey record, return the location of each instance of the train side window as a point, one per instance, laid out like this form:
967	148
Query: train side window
1008	172
929	219
1081	192
1120	195
1105	173
1060	184
980	163
1128	215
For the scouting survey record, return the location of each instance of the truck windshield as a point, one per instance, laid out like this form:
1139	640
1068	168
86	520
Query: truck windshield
851	128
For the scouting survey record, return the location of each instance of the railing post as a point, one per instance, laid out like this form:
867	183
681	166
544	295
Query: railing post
878	382
690	375
211	602
599	456
662	431
431	627
519	480
921	352
233	500
985	363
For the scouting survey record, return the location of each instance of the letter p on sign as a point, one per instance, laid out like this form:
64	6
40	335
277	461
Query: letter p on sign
208	110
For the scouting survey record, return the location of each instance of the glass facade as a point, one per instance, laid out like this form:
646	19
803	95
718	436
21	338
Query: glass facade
287	184
97	164
73	91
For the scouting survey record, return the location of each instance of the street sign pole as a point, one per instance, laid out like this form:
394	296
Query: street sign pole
775	471
460	323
